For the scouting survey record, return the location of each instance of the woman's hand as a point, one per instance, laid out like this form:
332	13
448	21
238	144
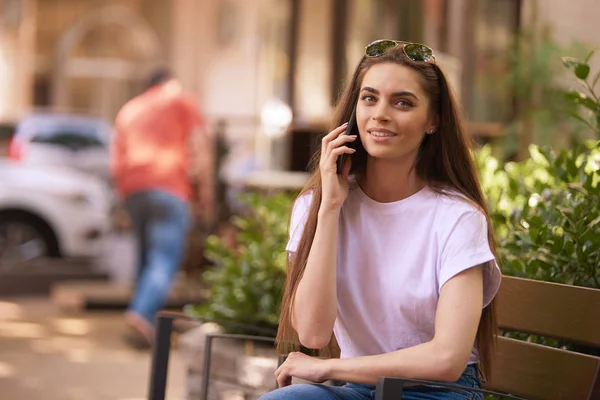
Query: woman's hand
301	366
335	187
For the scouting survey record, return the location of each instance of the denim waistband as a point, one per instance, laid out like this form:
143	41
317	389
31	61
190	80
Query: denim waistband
472	370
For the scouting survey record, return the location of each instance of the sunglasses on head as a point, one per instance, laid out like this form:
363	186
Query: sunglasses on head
415	51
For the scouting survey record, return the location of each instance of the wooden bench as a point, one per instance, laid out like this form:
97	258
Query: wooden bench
554	310
534	371
521	369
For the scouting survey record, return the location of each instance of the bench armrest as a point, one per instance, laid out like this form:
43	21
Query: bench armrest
391	388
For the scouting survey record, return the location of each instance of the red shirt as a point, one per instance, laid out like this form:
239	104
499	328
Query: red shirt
151	145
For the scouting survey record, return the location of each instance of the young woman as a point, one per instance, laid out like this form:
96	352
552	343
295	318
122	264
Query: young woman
393	259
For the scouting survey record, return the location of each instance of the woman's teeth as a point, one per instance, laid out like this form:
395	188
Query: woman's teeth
382	134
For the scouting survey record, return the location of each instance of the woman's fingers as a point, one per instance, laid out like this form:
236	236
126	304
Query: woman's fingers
341	140
329	162
332	135
283	379
333	144
335	153
335	148
335	190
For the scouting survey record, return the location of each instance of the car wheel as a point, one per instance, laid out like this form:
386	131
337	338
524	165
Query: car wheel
24	238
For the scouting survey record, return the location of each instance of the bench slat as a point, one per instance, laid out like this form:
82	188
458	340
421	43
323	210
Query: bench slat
539	372
550	309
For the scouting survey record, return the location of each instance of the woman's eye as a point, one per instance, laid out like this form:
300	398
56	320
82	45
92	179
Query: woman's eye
403	103
368	98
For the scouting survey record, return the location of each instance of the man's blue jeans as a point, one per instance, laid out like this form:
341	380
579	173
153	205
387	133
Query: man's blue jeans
160	222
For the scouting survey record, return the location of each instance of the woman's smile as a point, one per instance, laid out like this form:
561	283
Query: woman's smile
381	135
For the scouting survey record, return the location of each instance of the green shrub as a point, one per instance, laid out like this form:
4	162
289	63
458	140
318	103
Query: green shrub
246	283
546	213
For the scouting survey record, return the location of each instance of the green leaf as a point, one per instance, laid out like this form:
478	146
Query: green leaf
582	100
593	223
582	71
571	62
577	187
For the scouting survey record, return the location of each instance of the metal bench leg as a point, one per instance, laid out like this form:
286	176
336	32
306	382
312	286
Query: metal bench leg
206	369
160	358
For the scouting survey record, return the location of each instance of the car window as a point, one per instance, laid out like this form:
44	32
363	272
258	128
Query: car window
72	139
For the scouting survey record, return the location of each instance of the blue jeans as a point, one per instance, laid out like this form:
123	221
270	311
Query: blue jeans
160	222
354	391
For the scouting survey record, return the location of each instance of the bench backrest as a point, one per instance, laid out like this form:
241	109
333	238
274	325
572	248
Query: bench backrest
551	310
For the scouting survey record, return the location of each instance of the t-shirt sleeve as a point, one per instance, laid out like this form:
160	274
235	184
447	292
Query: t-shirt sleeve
297	222
467	246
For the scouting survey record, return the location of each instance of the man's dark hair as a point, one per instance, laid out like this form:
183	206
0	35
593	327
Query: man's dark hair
158	76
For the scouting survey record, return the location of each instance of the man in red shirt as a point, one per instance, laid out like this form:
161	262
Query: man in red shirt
154	155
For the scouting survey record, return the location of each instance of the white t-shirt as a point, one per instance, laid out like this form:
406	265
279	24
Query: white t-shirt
393	259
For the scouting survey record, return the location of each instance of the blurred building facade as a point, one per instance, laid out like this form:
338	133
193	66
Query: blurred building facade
93	55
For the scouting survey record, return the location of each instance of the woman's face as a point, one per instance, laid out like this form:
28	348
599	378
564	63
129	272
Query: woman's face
393	112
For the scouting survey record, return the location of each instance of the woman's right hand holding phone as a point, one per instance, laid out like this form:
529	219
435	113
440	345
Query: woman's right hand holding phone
335	186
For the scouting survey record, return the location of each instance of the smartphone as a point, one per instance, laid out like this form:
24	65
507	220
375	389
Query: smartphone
352	129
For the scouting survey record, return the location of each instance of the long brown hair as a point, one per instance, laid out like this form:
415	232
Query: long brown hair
444	162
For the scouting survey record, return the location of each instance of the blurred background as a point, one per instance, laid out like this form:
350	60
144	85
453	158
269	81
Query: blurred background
266	74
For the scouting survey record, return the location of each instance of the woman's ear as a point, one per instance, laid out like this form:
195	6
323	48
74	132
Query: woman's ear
433	127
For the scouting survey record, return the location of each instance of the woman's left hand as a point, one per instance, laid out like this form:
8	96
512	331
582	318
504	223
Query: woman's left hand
301	366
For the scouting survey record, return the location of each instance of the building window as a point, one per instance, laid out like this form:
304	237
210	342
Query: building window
495	23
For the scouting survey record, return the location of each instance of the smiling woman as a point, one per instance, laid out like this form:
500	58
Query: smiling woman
393	259
399	119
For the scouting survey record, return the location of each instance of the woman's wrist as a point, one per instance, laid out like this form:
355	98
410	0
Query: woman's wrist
329	368
328	208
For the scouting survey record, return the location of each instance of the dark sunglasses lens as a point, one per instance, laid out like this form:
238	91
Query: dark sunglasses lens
418	52
379	48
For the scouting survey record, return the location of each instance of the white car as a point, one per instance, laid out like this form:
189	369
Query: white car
75	141
50	212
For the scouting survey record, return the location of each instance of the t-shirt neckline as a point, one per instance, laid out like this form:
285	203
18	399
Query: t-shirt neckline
393	206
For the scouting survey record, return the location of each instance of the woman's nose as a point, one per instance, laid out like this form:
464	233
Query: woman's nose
381	113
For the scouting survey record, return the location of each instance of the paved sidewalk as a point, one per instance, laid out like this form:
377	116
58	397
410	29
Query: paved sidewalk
51	356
